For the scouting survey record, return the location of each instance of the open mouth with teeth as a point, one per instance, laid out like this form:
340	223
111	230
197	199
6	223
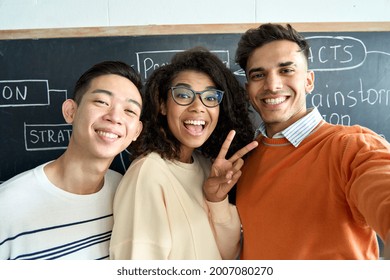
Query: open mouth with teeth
107	134
275	101
195	126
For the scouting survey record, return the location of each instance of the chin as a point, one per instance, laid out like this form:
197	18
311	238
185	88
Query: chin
107	155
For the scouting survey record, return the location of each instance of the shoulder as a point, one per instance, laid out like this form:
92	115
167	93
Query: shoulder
145	175
21	189
111	180
22	180
344	131
113	177
359	131
151	161
356	135
148	168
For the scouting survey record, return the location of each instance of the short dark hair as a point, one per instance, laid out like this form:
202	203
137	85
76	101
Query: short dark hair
267	33
156	135
105	68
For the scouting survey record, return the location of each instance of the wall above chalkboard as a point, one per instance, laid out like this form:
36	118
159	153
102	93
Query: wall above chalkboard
143	30
38	69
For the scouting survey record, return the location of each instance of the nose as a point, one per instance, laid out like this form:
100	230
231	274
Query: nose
273	82
114	115
197	105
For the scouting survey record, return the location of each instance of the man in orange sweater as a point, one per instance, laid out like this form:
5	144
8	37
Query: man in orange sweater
311	190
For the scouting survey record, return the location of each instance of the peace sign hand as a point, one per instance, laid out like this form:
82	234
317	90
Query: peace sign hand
225	172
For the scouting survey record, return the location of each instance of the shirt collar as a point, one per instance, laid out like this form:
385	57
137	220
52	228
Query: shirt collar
298	131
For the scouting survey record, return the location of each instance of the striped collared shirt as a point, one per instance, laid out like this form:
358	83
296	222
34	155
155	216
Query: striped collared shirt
298	131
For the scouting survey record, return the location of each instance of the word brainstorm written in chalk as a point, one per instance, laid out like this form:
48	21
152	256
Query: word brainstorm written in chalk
338	54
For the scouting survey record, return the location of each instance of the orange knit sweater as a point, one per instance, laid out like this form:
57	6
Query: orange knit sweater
320	200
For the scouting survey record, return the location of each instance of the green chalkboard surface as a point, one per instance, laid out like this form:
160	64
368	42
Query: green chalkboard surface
36	75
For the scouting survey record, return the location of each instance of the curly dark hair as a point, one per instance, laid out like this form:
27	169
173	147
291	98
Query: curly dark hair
267	33
234	108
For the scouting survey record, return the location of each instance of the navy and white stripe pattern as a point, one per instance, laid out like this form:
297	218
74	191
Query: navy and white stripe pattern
41	221
76	247
298	131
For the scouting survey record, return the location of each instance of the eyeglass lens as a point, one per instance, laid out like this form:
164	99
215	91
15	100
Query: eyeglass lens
185	96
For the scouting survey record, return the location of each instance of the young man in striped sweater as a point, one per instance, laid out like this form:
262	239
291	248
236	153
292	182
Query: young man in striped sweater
311	190
63	209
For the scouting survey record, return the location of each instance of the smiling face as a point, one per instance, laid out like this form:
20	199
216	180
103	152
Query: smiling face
278	81
107	119
192	124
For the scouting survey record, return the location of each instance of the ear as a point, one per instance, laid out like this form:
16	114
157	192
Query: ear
139	129
69	108
163	109
309	84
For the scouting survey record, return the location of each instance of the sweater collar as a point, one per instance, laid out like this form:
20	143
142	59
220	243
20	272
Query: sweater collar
298	131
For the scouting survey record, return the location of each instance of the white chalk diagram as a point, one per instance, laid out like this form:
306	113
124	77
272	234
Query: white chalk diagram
338	54
327	53
148	61
35	93
344	53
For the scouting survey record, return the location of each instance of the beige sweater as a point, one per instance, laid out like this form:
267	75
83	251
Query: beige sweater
160	212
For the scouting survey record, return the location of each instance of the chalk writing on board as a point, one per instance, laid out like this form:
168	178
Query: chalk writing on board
148	61
328	53
40	137
339	53
32	93
23	93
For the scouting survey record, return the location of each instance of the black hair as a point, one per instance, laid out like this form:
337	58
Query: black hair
105	68
267	33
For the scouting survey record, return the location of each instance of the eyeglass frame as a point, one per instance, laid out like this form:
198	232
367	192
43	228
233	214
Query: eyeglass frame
221	92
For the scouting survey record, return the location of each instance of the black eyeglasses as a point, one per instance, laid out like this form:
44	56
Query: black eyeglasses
185	96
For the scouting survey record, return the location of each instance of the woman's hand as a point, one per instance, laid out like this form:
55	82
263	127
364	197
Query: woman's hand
225	172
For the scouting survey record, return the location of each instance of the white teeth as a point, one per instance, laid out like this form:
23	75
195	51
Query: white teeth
194	122
107	134
274	101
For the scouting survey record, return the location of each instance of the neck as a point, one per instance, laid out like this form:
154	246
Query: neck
186	154
276	127
77	176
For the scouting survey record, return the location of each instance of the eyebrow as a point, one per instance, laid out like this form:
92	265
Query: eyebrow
258	69
287	63
281	64
189	86
111	94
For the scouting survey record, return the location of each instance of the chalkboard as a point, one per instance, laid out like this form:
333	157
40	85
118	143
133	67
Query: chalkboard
352	83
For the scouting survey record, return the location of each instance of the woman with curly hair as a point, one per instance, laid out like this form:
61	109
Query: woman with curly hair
173	200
